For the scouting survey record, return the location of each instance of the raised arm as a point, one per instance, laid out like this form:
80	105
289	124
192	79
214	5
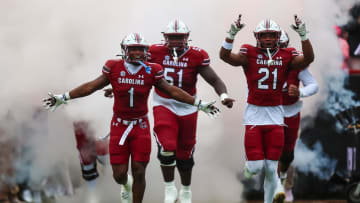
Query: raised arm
53	101
215	81
182	96
235	59
304	60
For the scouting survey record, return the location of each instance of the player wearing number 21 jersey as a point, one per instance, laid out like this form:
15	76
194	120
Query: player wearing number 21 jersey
266	67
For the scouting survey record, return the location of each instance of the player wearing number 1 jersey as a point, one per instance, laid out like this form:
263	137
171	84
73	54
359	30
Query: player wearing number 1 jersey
266	67
175	122
131	79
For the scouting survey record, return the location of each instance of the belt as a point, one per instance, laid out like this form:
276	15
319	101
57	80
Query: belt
130	124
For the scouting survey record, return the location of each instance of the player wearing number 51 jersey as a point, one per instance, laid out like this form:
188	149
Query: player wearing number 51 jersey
266	67
175	122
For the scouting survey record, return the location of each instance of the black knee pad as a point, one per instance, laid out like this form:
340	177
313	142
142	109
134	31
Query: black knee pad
185	165
166	158
287	157
91	174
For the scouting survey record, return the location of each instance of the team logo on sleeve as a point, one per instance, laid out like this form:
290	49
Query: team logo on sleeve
122	73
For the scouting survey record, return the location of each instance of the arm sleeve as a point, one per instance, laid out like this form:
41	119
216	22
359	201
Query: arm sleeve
310	85
205	58
158	72
107	68
244	49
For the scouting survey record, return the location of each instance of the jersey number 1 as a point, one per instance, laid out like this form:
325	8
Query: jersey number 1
131	92
266	77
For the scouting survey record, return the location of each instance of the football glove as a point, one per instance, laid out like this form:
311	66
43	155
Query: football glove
53	101
300	28
235	28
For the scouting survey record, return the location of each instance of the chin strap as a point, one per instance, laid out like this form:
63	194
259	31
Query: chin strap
175	57
270	61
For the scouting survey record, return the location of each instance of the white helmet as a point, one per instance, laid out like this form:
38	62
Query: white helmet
176	34
267	26
284	39
134	40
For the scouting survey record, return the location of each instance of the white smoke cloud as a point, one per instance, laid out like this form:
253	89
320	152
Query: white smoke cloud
313	161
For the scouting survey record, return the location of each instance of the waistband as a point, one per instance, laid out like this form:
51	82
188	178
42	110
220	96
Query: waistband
132	121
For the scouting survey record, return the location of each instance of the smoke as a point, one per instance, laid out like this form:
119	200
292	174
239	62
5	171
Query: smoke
55	46
313	161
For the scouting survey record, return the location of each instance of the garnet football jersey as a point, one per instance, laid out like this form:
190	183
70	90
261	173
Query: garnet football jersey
182	73
131	91
265	82
293	79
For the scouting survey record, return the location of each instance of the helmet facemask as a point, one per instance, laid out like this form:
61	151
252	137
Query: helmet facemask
268	39
135	53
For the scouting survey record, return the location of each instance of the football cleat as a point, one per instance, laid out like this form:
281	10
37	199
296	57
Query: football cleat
126	191
279	196
185	196
170	194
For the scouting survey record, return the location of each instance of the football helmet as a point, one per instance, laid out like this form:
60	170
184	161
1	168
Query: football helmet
267	34
284	39
176	35
134	48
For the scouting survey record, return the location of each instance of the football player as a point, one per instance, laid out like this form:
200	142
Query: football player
266	67
175	122
131	79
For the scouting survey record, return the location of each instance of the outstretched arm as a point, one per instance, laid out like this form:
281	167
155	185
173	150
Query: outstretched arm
302	61
182	96
53	101
235	59
215	81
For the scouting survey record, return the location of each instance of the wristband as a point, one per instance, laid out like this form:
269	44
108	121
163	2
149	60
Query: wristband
197	102
223	96
227	45
66	96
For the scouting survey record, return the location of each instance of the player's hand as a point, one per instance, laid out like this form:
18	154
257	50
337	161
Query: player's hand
300	28
53	101
235	28
293	91
207	107
228	102
108	92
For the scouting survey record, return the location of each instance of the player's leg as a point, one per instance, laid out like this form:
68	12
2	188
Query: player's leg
85	144
274	142
166	132
102	150
140	149
119	160
254	150
184	154
290	135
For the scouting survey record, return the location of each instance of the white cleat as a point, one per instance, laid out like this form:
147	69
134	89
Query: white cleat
170	194
126	191
185	196
279	196
289	196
